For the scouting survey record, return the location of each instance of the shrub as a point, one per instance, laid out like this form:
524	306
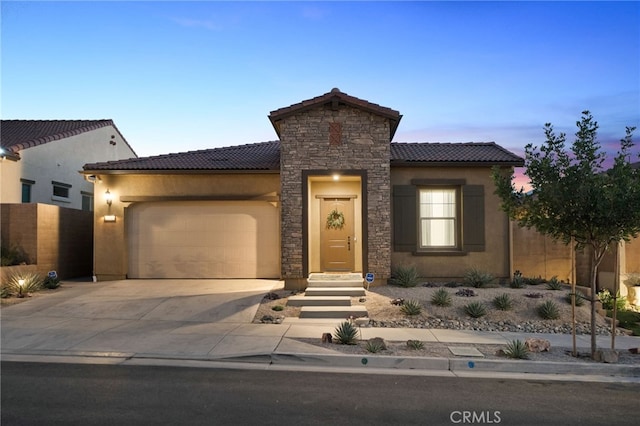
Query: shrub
554	284
580	298
607	300
51	283
518	281
404	276
278	308
477	278
475	309
13	255
411	307
534	280
32	283
503	302
346	333
516	349
549	310
415	344
374	346
441	297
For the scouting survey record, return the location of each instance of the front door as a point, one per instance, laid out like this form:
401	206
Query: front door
337	245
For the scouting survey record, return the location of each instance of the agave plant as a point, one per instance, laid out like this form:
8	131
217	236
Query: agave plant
503	302
346	333
373	346
516	349
404	276
21	283
549	310
411	307
554	284
477	278
475	309
580	298
415	344
441	297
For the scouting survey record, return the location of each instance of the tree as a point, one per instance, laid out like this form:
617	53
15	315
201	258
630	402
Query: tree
573	197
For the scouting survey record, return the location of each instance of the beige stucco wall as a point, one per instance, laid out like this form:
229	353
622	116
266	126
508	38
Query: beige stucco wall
537	255
495	259
60	161
111	259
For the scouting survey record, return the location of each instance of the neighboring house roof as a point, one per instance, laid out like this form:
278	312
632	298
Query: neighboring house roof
464	154
335	97
266	156
17	135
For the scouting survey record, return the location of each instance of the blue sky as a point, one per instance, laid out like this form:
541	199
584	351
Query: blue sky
179	76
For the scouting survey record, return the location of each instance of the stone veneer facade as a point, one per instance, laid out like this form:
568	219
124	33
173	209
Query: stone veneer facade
308	142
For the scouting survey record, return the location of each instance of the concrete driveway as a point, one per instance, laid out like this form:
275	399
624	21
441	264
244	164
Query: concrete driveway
177	317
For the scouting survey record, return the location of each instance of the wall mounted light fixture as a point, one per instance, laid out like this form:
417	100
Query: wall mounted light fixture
108	197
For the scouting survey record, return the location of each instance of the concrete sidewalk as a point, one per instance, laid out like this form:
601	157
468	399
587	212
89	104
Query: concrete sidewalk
208	323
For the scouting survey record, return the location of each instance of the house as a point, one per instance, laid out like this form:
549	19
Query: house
45	204
40	159
332	194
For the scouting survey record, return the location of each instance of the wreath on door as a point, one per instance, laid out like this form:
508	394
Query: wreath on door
335	219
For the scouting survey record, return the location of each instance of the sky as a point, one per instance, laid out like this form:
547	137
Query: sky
182	76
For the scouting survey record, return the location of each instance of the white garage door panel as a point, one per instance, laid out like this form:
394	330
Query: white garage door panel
207	239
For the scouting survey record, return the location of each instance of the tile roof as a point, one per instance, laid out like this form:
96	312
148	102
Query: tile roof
409	154
266	156
16	135
257	156
335	96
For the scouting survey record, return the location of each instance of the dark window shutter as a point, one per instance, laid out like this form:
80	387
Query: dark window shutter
404	218
473	218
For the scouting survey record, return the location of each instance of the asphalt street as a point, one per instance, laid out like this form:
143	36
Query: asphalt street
74	394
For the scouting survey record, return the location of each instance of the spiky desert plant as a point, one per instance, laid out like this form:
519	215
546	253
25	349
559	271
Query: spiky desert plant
516	349
580	298
415	344
476	278
20	283
503	302
475	309
373	346
278	308
549	310
346	333
534	280
404	276
518	281
411	307
441	297
554	284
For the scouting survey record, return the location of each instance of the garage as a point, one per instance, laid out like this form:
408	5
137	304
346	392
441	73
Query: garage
203	239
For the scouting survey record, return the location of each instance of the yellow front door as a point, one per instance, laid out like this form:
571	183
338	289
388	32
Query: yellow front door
337	245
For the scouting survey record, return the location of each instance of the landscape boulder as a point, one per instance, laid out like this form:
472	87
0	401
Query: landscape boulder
537	345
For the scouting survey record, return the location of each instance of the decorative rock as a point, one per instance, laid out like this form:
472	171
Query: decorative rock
500	352
362	321
378	341
607	356
268	319
634	351
326	338
272	296
537	345
398	301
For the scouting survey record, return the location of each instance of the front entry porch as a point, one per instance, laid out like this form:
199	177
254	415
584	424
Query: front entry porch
329	296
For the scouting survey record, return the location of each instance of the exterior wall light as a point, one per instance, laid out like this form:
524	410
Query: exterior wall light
108	197
336	177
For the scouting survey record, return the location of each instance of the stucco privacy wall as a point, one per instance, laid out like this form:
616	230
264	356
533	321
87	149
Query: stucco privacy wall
54	238
536	255
494	259
110	246
364	146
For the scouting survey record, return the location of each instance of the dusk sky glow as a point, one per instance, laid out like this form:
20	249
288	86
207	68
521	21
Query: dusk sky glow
182	76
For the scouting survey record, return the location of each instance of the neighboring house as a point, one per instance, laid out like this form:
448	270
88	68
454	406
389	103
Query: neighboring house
40	159
332	195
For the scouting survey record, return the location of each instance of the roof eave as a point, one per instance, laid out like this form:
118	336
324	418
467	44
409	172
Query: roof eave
403	163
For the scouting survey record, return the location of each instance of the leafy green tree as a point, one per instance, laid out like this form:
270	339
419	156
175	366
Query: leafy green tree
573	196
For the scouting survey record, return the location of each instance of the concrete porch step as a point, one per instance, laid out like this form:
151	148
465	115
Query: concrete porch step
319	301
333	311
334	291
335	283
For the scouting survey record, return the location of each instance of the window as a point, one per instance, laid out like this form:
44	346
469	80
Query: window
87	201
26	190
438	218
60	190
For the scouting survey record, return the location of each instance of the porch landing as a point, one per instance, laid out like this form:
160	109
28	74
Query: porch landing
329	296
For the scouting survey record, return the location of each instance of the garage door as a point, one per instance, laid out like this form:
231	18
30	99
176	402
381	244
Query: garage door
203	239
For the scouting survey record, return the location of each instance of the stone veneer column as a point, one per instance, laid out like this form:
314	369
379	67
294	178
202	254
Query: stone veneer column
305	145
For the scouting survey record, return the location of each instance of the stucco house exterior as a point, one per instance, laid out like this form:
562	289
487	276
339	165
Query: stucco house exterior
332	194
40	159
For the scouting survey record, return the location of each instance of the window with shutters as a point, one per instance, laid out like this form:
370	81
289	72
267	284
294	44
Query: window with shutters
438	218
